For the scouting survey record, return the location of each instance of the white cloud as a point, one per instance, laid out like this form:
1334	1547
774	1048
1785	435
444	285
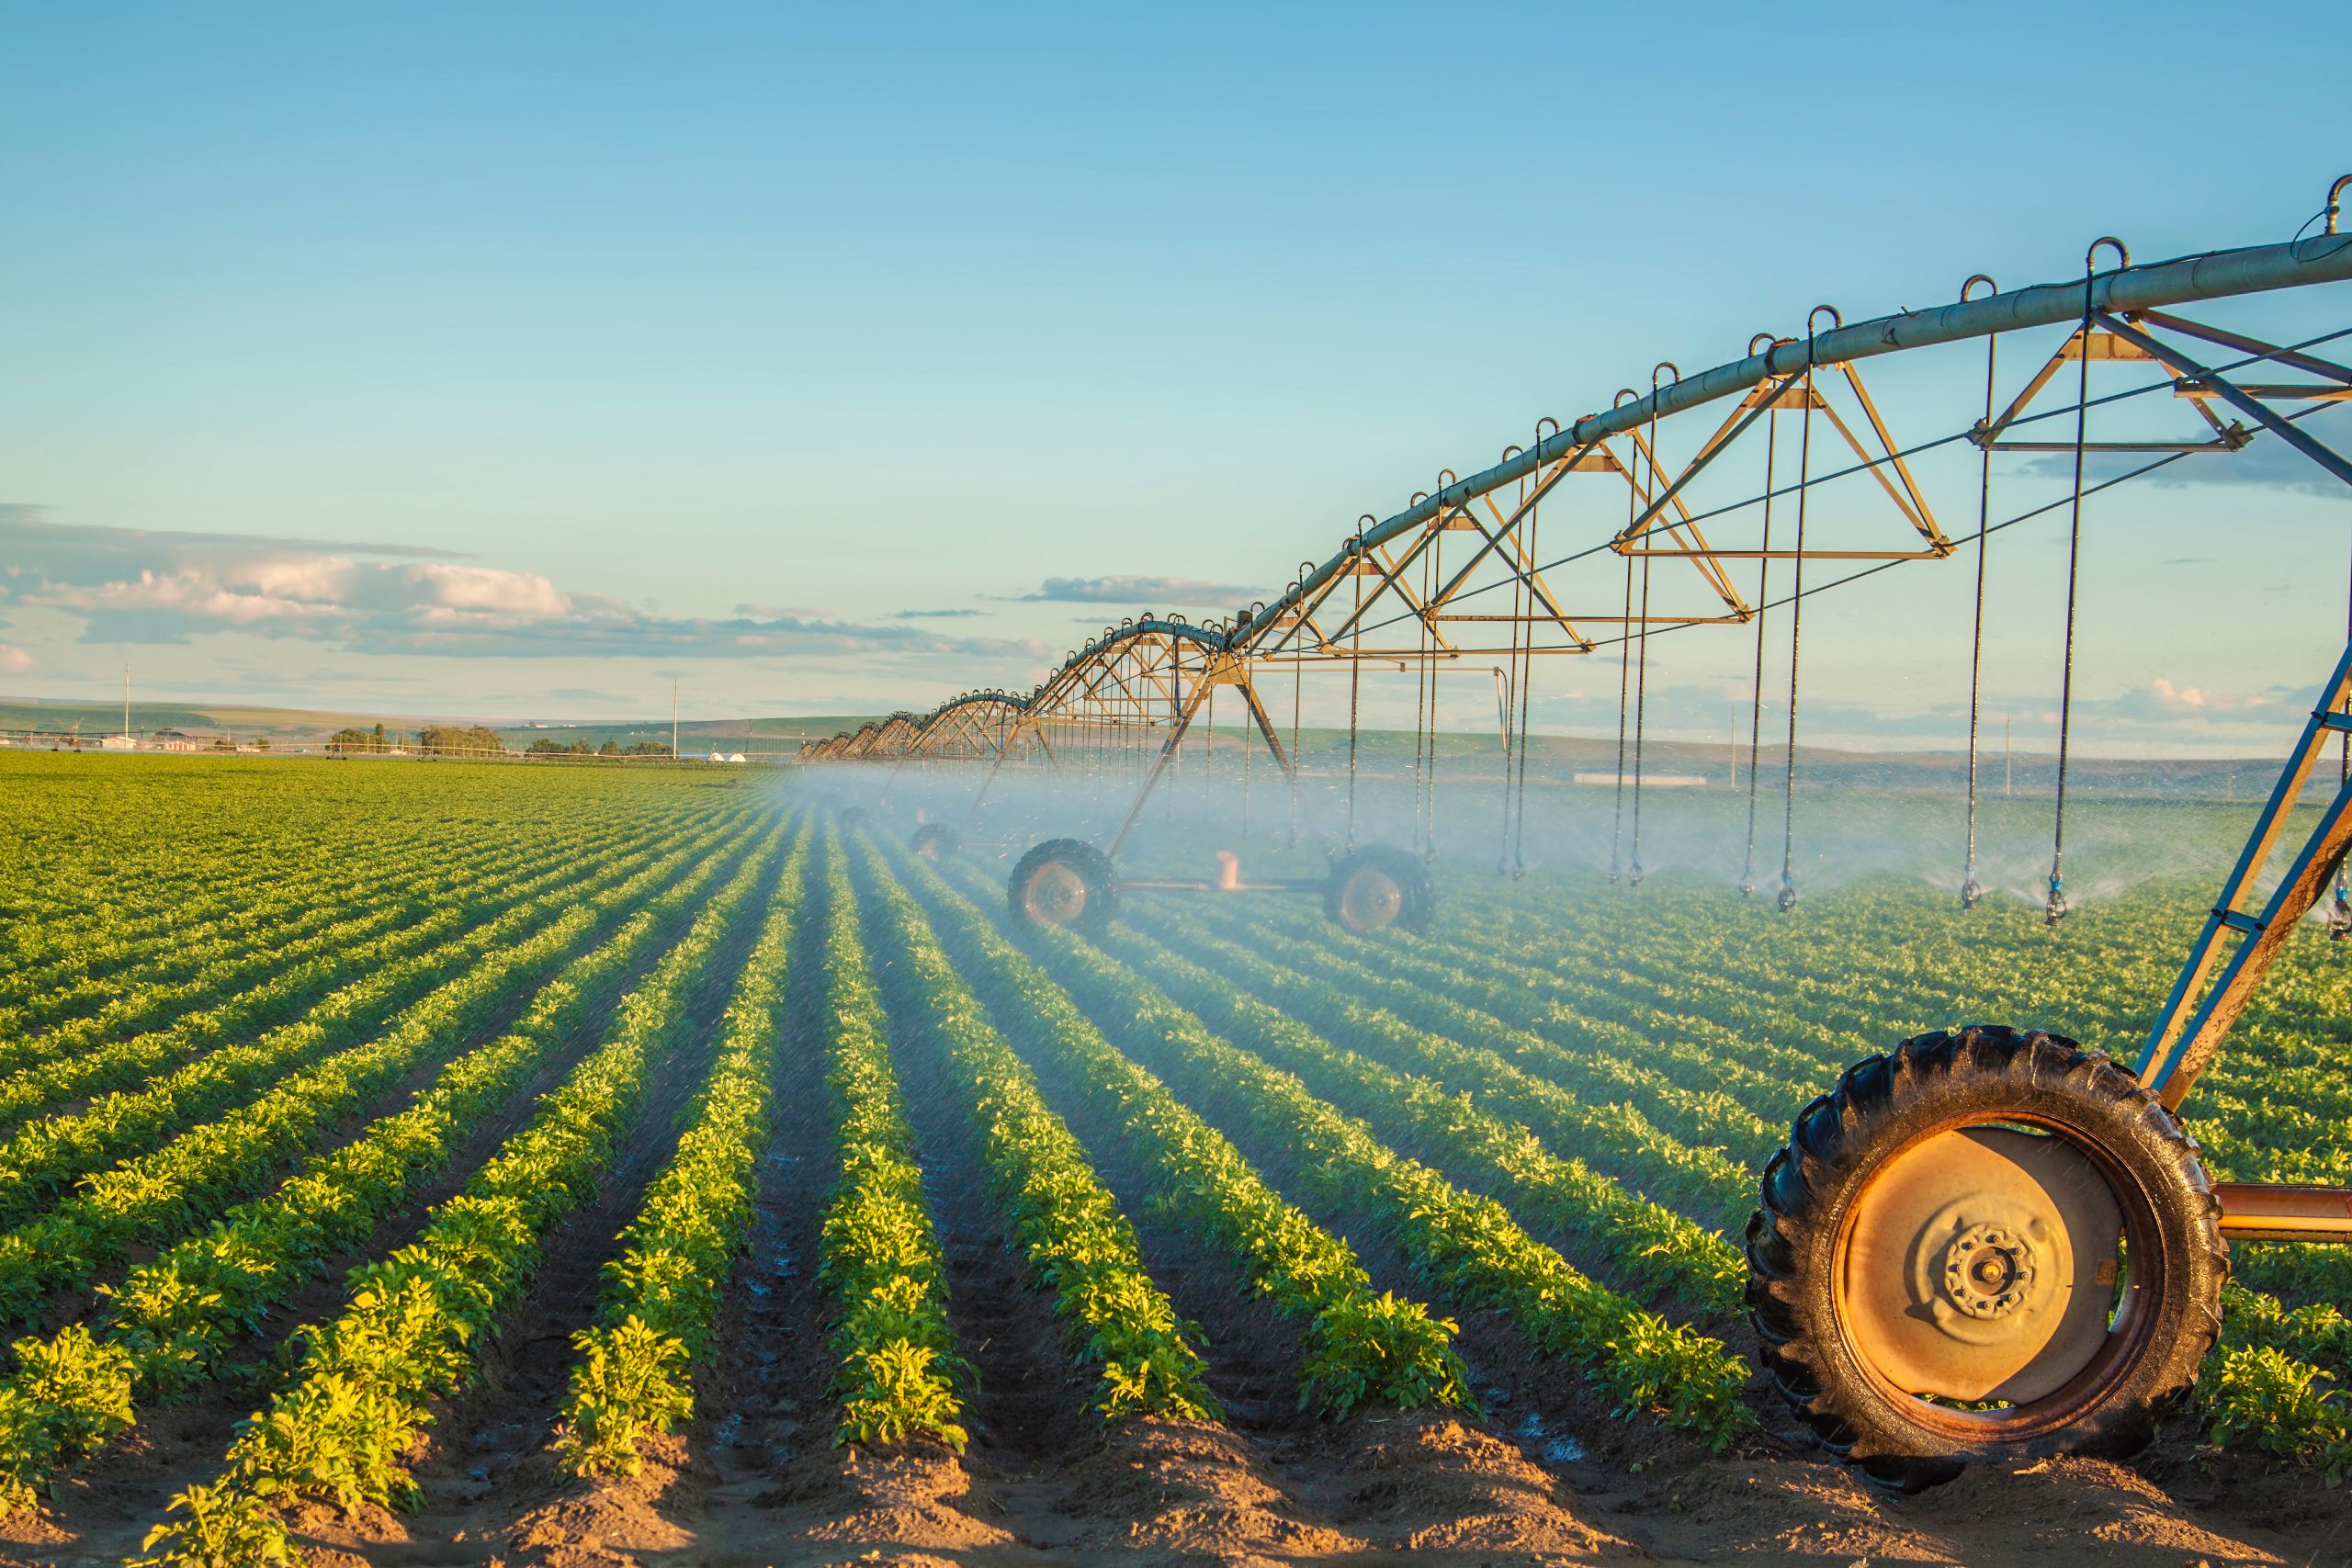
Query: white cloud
519	594
133	586
14	660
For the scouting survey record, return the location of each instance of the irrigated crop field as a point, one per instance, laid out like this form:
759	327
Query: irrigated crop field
432	1164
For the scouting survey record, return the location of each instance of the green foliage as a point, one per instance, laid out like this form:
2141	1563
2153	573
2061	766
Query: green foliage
1468	1247
2286	1407
899	1373
660	1304
1201	1181
1063	1220
417	1321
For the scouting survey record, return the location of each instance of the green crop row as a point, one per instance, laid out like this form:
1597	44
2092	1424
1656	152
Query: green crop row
899	1374
171	1323
1647	1247
660	1304
44	1157
1465	1245
418	1321
1362	1349
188	1182
83	1068
1064	1221
159	980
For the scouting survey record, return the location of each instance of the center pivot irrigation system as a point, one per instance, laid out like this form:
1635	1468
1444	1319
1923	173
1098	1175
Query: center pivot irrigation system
1991	1243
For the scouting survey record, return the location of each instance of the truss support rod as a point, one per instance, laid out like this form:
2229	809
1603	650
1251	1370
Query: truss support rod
1159	763
2180	1047
1266	728
2285	429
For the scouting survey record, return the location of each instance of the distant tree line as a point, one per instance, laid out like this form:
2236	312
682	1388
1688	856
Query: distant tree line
432	740
547	745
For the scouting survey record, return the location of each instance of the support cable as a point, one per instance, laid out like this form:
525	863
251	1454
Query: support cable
1520	625
1297	759
1355	690
2055	908
1641	712
1625	690
1756	686
1788	897
1971	888
1430	581
1642	647
1526	680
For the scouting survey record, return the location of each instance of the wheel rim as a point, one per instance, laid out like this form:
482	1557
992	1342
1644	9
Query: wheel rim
1988	1264
1369	899
1056	894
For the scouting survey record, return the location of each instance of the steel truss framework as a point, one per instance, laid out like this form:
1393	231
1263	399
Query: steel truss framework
1461	577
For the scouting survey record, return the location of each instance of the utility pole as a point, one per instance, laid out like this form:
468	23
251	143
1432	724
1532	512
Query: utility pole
2009	773
674	718
125	699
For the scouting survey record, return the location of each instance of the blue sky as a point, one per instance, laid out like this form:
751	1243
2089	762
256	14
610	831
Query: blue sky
512	360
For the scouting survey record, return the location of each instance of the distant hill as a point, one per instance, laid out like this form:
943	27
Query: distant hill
297	728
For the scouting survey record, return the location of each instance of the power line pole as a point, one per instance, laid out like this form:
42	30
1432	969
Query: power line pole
674	718
2009	773
125	699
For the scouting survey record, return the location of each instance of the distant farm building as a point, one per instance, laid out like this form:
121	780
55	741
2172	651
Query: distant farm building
171	740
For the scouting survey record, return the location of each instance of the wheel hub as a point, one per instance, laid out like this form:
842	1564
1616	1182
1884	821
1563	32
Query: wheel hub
1980	1266
1371	900
1988	1272
1056	894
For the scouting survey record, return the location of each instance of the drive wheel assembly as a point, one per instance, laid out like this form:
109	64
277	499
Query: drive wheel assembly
1064	881
1377	887
936	842
1990	1244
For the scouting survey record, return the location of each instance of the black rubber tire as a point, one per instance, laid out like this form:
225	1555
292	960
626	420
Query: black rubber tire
936	842
1411	877
1101	899
1880	1106
851	818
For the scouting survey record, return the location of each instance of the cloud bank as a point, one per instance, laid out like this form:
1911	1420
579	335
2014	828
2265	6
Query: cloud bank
1170	591
139	586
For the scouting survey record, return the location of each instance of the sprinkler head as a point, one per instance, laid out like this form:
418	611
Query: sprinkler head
1971	890
1637	874
1787	899
2056	907
1748	880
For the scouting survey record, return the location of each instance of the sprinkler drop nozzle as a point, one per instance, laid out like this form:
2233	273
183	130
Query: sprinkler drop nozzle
1787	899
2056	907
1971	890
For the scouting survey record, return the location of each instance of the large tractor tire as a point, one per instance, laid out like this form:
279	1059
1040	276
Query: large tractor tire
1378	887
1064	881
936	842
1992	1244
